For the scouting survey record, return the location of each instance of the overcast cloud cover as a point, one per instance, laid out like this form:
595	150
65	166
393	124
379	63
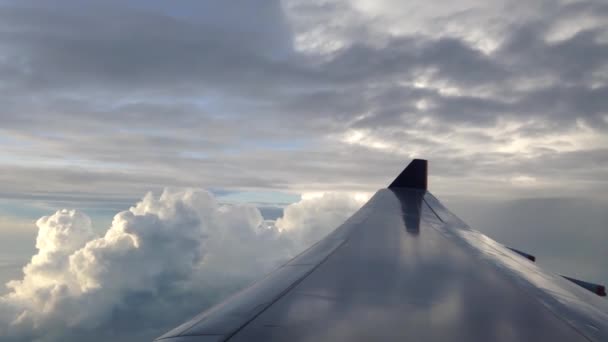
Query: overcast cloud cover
104	101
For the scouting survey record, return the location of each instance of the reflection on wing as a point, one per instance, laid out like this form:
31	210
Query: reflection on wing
405	268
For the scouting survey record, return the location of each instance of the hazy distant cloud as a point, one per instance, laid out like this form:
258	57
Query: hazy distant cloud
158	263
565	234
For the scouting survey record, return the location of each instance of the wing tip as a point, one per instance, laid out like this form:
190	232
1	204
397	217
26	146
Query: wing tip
413	176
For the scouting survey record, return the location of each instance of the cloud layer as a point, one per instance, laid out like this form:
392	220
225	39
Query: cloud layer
160	261
108	99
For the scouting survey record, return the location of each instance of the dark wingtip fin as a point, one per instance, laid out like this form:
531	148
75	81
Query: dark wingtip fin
414	176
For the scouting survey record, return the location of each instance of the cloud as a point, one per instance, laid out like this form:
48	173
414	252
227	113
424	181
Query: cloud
159	262
151	43
163	92
315	217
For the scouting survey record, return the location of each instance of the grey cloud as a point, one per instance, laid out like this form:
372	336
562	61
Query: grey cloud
568	103
354	70
95	45
564	100
448	58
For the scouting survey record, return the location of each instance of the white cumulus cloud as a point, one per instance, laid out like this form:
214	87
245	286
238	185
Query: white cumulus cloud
159	262
310	219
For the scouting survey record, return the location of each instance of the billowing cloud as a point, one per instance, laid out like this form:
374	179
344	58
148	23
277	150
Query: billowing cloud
159	261
312	218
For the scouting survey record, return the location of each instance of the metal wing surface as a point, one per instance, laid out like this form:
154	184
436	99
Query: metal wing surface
404	268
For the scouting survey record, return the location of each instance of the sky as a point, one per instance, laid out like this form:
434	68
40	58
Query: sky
156	156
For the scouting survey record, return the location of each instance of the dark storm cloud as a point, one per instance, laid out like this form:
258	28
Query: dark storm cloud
91	45
572	59
405	56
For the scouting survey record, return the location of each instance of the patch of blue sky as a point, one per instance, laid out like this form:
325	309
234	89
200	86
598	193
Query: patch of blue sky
67	162
193	155
6	139
273	198
222	192
280	145
13	147
101	214
22	209
268	145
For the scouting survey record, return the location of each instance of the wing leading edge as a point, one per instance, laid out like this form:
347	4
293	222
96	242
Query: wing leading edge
404	268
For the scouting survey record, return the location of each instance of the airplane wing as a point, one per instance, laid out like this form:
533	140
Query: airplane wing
404	268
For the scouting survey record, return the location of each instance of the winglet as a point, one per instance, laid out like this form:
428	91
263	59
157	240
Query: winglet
414	176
